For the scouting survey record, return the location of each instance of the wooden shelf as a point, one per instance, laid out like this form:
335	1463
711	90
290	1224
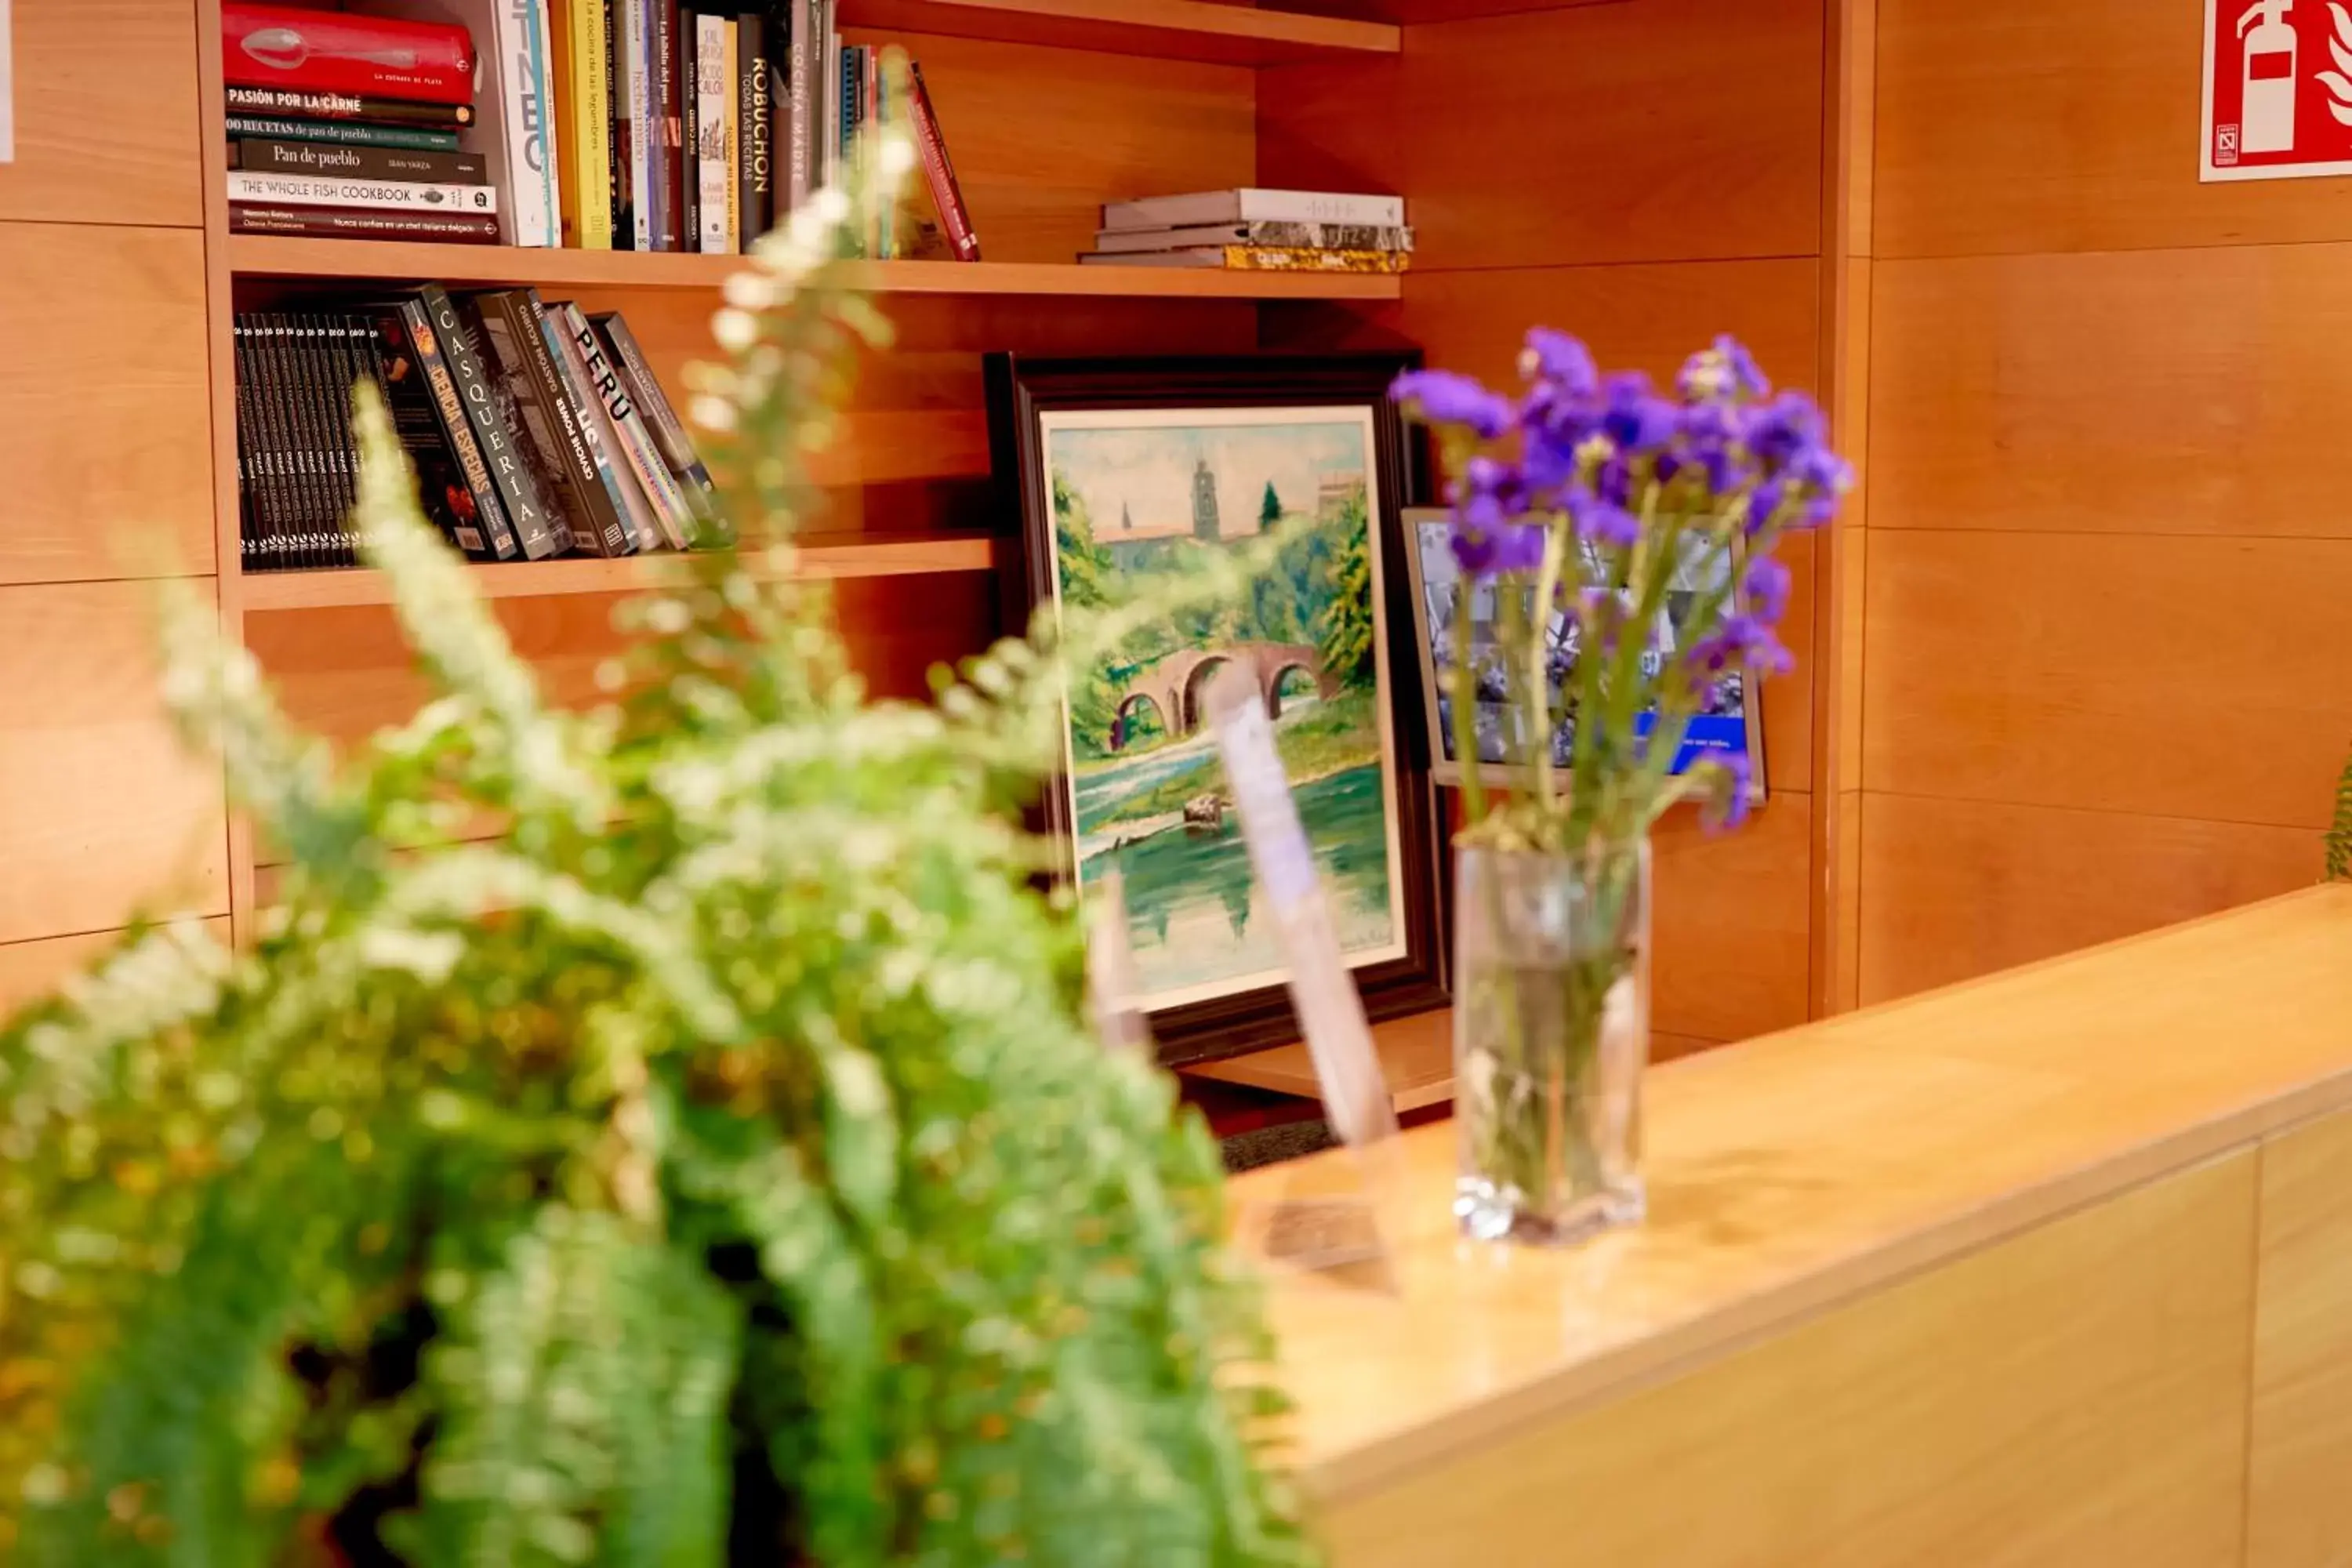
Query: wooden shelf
1416	1055
1169	29
842	556
274	256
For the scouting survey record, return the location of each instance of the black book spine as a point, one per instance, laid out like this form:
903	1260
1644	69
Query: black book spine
668	431
667	142
755	115
260	507
457	427
538	528
690	134
326	439
499	320
319	507
618	172
442	481
284	378
343	364
337	160
272	101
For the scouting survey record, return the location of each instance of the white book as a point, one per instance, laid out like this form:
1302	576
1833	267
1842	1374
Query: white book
514	98
714	114
322	191
1250	204
1312	236
634	57
663	500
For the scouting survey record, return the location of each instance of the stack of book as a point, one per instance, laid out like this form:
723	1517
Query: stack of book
536	429
682	125
349	125
1257	231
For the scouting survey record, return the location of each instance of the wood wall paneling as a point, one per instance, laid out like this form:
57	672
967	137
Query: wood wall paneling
2144	392
1731	924
101	810
1955	888
2086	1377
105	429
31	969
107	123
1666	131
2298	1510
2056	125
2180	675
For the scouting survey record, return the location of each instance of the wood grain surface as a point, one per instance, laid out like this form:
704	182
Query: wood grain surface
2298	1513
106	113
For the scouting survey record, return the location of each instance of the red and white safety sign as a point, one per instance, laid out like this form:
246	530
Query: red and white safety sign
2278	88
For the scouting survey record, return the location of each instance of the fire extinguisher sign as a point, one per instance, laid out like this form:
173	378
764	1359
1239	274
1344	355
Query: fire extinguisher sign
2278	89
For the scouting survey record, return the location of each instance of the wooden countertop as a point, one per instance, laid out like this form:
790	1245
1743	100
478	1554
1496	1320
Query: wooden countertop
1802	1169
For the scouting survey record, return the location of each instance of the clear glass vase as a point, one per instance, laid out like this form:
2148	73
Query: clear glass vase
1552	1031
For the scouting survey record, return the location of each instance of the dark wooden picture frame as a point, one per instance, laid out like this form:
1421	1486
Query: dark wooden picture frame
1022	393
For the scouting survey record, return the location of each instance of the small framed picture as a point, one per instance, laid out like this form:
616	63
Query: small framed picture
1732	723
1122	470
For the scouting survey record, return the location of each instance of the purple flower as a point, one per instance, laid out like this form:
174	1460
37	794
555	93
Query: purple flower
1482	550
1764	505
1561	363
1638	420
1730	801
1602	522
1785	429
1613	482
1743	641
1442	397
1725	371
1819	469
1764	588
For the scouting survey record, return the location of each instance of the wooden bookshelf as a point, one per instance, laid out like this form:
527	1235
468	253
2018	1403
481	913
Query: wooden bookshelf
840	557
274	256
1163	29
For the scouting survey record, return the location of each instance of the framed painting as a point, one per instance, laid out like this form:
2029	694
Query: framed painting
1121	471
1732	722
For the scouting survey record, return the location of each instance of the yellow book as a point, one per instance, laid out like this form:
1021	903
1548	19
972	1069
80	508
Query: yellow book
583	122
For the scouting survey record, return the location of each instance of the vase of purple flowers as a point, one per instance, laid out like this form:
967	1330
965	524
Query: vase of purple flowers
1616	580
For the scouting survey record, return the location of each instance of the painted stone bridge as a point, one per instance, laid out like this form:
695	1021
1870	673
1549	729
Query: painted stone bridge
1178	685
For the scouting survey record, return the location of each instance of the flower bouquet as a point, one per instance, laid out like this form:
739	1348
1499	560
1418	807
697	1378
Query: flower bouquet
1616	579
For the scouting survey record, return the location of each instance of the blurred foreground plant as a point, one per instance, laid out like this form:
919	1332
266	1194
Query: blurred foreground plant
717	1167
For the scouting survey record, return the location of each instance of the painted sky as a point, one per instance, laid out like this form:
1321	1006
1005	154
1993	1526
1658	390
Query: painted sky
1148	470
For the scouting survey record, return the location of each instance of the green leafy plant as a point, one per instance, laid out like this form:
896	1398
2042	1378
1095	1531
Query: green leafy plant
717	1166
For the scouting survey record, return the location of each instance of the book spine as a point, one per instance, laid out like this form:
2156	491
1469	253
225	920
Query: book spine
619	171
503	335
561	325
689	129
801	94
537	531
664	498
539	218
828	91
281	408
1297	258
400	195
669	167
272	447
273	100
580	125
344	133
939	169
662	422
285	49
392	361
265	155
882	238
755	111
257	532
564	116
605	530
458	429
714	114
343	364
636	60
322	437
341	222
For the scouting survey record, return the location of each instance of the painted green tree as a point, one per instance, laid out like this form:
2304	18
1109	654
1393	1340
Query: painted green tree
1269	511
1347	625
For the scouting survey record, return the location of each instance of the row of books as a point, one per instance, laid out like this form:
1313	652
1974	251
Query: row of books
1249	229
536	429
678	125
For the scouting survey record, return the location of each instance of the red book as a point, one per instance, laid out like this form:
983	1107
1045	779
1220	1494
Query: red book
939	173
345	52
